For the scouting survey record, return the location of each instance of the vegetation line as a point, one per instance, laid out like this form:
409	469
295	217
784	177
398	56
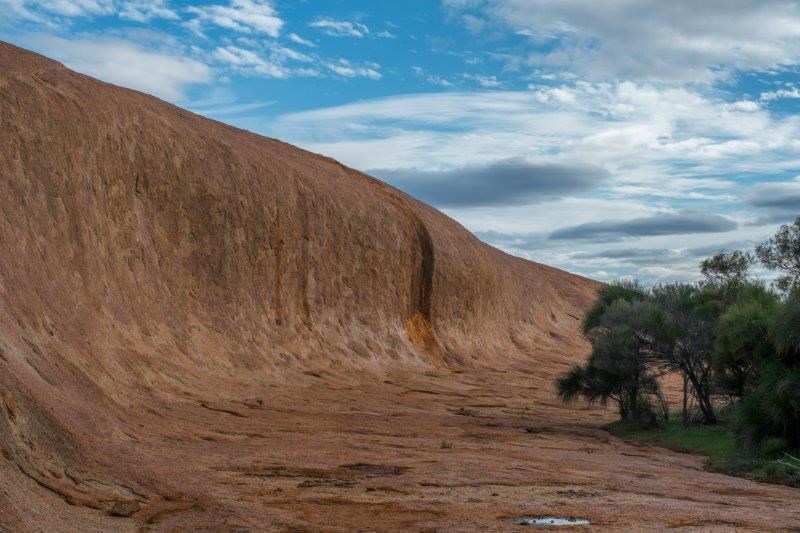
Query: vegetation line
734	340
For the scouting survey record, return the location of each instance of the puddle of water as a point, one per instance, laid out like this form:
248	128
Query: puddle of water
548	521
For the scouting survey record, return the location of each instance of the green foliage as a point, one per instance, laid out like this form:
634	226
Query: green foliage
713	440
616	369
782	252
773	463
743	340
587	382
785	330
628	291
725	268
760	338
680	335
773	408
730	337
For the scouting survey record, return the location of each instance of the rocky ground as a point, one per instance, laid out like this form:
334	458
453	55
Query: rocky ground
434	450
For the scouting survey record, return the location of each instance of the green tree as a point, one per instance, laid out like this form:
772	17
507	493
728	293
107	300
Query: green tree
782	252
623	290
680	337
616	369
771	408
723	268
744	342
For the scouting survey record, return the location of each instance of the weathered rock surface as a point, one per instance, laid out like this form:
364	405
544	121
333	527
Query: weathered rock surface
203	327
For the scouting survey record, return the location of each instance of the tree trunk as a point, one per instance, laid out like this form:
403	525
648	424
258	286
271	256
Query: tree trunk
685	400
703	399
707	409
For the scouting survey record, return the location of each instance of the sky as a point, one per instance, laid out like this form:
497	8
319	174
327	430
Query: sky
623	138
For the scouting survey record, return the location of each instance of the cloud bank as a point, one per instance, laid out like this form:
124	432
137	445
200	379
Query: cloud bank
514	181
656	225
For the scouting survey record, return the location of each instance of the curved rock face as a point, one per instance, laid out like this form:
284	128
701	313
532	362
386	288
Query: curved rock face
150	255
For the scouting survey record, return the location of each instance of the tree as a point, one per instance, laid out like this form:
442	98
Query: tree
723	268
744	342
680	336
772	407
782	252
624	290
616	369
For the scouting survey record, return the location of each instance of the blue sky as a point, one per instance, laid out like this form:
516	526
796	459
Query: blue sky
615	138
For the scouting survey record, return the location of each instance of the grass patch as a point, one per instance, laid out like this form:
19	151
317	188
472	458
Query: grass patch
718	443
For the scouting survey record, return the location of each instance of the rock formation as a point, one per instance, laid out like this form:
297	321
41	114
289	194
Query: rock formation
150	257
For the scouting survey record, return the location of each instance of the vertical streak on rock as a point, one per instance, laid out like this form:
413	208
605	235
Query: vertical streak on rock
303	269
424	279
278	267
418	325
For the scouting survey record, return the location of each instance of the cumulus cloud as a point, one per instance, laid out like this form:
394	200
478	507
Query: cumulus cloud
675	41
244	16
165	73
340	28
656	225
508	182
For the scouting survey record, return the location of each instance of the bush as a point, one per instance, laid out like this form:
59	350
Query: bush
773	408
743	341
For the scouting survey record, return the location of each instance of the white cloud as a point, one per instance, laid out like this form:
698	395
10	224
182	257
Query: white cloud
76	8
248	62
163	73
299	40
487	82
51	12
674	41
792	92
743	105
273	63
431	78
340	28
345	68
20	10
145	10
245	16
638	131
